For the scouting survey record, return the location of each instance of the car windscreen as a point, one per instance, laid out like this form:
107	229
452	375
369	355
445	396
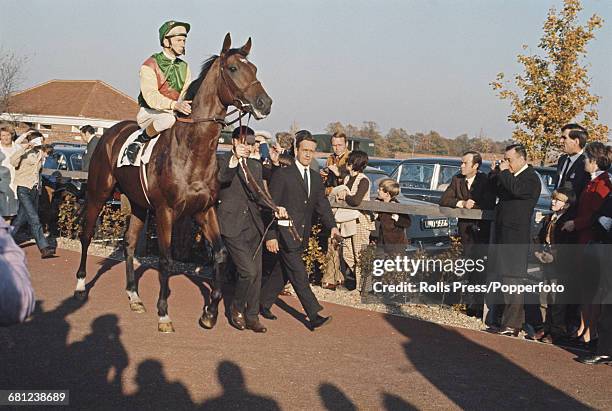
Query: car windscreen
56	161
76	160
416	175
446	175
374	178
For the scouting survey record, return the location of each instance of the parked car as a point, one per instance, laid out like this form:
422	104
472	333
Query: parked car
68	157
65	157
426	179
548	174
388	165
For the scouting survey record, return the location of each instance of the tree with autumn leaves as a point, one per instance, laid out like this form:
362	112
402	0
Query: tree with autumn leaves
554	88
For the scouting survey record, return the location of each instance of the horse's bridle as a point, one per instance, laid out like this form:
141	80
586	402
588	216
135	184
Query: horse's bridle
236	95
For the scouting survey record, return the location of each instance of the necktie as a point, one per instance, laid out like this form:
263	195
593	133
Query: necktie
565	168
306	180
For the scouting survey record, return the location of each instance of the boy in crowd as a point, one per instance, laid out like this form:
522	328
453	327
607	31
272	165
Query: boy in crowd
391	228
555	258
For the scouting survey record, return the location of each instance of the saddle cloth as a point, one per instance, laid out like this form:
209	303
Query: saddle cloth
144	155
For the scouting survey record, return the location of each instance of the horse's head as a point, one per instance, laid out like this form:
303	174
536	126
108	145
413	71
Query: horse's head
242	89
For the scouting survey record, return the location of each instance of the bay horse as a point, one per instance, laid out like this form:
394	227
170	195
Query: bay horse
181	175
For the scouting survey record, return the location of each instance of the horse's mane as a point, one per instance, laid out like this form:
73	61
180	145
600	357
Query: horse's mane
193	88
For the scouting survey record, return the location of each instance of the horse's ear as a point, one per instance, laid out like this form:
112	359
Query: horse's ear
227	43
246	49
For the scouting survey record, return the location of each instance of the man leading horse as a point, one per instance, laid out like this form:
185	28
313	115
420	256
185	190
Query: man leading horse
181	177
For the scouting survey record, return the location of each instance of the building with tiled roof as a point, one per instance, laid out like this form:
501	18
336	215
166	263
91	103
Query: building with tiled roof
58	108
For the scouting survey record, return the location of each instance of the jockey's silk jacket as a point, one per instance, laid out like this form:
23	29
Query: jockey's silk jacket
163	81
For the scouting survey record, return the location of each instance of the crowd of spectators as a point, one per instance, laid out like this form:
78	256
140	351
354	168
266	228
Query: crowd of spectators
580	217
572	247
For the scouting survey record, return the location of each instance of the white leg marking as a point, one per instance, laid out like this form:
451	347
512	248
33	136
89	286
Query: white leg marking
80	284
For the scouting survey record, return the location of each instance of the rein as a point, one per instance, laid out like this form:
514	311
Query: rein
220	120
263	193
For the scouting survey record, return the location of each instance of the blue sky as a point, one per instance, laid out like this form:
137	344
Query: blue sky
418	64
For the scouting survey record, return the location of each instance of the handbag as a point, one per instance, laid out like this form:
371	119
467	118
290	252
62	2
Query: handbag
343	215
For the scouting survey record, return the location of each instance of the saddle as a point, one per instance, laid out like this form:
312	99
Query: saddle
143	158
144	154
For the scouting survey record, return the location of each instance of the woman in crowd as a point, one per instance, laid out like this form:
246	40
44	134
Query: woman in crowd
356	188
8	190
28	160
597	163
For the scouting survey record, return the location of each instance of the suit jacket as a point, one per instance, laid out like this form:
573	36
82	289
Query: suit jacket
557	235
237	205
576	176
288	189
391	233
560	245
591	200
518	196
483	194
480	191
91	146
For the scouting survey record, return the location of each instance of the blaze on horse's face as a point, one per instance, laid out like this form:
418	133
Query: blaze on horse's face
242	73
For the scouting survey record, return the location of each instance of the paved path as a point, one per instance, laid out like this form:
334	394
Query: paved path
110	357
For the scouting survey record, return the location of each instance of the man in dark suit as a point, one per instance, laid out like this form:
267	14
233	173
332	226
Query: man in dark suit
242	228
471	189
571	173
88	134
570	167
300	190
518	189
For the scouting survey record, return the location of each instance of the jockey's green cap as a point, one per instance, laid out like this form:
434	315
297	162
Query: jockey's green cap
168	26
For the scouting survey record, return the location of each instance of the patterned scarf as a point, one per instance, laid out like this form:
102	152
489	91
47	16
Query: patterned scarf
175	71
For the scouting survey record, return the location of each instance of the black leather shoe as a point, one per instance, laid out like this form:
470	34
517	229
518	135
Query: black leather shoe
595	359
237	318
267	314
255	326
48	252
319	322
509	332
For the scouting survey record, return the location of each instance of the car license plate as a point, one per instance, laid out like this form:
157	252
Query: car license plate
435	223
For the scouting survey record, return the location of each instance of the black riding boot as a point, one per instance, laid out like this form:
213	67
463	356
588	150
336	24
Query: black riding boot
132	151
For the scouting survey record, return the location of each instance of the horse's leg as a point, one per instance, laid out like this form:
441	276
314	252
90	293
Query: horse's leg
131	239
92	209
164	218
210	226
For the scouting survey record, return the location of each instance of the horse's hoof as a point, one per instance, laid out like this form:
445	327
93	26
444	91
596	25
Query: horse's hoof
80	295
138	307
208	320
165	327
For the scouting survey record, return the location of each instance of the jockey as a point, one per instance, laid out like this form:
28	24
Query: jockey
164	79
